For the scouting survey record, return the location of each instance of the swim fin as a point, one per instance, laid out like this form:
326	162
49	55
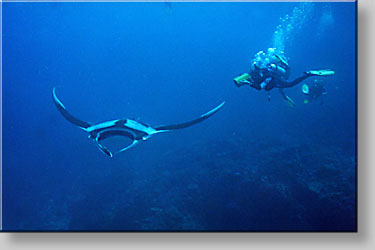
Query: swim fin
289	101
323	72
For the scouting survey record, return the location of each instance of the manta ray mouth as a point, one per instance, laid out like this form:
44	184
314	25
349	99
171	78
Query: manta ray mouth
113	141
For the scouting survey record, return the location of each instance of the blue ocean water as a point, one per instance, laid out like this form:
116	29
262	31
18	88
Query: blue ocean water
256	165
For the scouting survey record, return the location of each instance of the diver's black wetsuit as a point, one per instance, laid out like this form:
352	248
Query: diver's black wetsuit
277	82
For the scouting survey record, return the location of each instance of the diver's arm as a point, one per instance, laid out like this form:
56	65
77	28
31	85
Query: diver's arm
263	80
271	84
247	82
255	86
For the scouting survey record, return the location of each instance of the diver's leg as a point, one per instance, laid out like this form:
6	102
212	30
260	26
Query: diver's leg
283	93
286	84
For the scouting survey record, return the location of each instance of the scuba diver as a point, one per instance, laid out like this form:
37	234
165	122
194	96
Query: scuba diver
313	90
271	70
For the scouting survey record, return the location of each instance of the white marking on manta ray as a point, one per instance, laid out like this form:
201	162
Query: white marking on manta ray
140	127
102	125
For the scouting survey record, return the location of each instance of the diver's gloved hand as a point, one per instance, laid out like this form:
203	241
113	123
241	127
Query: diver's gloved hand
265	83
242	80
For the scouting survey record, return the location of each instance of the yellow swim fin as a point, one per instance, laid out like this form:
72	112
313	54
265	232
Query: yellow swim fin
322	72
289	101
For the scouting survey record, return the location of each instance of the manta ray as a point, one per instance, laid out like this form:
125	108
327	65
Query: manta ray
134	130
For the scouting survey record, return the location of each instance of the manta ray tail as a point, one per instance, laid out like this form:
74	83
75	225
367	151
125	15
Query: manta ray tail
66	114
191	123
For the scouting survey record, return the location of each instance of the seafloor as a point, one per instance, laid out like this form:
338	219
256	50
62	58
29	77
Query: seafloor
220	185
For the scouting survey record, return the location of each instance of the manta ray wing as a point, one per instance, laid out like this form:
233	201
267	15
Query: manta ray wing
66	114
190	123
134	130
